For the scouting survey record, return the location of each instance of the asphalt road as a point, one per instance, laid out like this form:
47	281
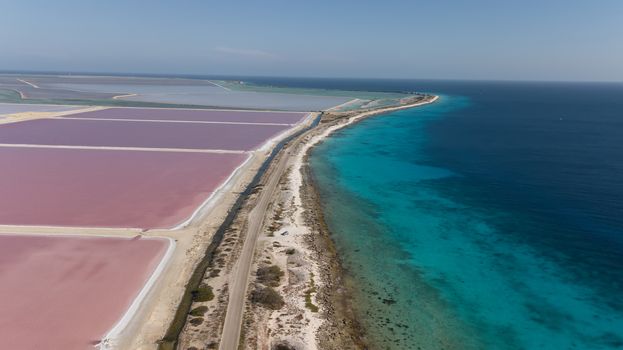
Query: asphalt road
239	279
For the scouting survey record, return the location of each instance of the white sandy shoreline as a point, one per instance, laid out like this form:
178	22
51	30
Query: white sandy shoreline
109	340
146	319
202	214
296	323
353	119
186	241
297	179
203	209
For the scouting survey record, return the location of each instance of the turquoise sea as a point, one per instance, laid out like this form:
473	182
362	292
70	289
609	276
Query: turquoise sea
492	219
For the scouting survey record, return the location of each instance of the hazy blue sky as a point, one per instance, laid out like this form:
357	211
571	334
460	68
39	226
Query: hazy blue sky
476	39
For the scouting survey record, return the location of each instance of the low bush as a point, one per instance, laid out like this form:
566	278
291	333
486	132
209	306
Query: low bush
196	321
203	293
308	300
269	275
308	295
283	346
268	298
198	311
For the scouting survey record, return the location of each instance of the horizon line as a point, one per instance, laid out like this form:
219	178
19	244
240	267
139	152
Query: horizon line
207	76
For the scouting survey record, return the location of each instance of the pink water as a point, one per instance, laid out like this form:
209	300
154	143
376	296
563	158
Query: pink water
101	188
194	115
77	132
67	293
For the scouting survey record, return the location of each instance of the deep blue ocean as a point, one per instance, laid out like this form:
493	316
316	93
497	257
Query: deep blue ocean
492	219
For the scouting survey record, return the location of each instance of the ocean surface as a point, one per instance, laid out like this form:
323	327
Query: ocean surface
492	219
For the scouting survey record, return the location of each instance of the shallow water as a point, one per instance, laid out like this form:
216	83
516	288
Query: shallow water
114	133
174	90
90	281
491	219
11	108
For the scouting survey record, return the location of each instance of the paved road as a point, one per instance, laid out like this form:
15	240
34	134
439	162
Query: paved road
239	278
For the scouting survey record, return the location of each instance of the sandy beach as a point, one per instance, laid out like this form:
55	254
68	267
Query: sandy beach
192	238
316	314
24	116
291	236
310	285
301	176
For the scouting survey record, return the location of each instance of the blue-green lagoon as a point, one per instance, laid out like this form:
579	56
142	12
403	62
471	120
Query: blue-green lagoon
492	219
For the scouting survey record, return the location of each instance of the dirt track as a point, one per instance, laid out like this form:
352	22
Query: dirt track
240	273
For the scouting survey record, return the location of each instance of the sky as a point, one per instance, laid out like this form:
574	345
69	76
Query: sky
441	39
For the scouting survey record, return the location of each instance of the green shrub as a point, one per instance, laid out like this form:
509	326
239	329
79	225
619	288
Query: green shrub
198	311
203	293
308	295
308	300
268	298
196	321
269	275
283	346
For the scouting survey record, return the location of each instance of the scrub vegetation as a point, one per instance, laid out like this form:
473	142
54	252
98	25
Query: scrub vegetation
269	275
308	295
267	297
203	293
198	311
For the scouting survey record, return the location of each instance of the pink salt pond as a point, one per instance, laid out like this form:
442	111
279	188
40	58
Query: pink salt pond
205	115
61	292
112	133
107	188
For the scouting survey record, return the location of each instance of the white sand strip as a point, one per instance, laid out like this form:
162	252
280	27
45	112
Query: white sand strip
275	140
215	195
218	192
172	121
40	104
123	96
112	148
69	231
219	85
108	341
211	109
28	83
344	104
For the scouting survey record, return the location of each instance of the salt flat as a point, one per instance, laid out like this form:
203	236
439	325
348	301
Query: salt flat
104	188
67	292
12	108
139	134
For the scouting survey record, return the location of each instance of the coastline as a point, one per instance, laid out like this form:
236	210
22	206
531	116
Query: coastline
153	310
405	231
108	340
179	332
147	318
316	312
201	235
341	329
